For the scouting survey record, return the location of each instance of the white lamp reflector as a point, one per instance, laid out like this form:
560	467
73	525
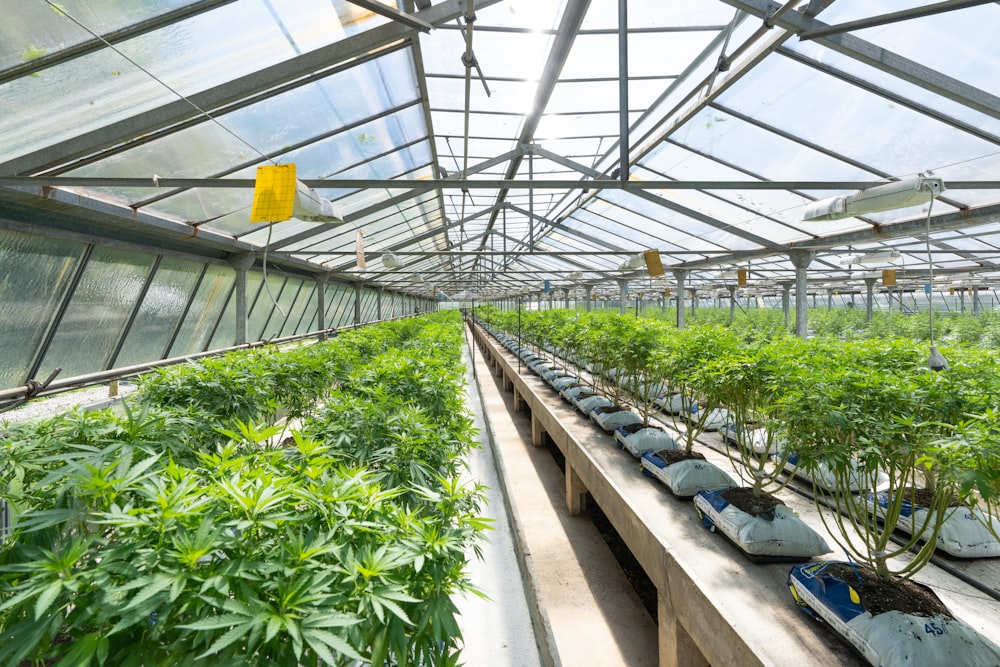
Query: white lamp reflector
391	261
900	194
574	275
633	263
872	258
309	206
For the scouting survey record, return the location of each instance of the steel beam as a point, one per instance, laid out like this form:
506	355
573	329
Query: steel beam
882	59
231	92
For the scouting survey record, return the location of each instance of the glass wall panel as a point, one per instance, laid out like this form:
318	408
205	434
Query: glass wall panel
295	295
205	310
261	304
369	305
98	311
307	322
341	311
160	311
35	273
298	319
225	331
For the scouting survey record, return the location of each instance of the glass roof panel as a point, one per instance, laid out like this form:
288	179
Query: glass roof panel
785	206
189	56
859	125
570	125
951	42
36	29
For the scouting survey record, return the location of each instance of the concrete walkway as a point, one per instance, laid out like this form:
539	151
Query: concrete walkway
498	631
586	610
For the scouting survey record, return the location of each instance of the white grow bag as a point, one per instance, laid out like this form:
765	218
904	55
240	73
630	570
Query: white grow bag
685	478
570	393
890	639
964	533
823	477
713	421
586	405
564	382
609	420
784	537
641	439
674	404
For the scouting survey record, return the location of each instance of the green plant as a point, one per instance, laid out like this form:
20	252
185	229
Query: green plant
130	552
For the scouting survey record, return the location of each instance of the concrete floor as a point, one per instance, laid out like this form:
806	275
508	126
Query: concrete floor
583	610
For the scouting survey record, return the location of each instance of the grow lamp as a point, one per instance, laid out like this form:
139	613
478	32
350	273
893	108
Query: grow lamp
633	263
574	275
309	206
899	194
391	261
872	258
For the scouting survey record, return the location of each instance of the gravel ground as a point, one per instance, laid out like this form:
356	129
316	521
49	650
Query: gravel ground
47	406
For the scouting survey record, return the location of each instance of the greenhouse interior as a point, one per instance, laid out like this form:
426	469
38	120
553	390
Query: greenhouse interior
500	332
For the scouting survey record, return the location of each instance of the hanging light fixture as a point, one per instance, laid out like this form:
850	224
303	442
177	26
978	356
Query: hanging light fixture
392	261
890	256
633	263
899	194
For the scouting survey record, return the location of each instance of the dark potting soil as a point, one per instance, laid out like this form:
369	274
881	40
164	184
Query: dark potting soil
632	428
879	596
612	408
925	497
744	499
672	456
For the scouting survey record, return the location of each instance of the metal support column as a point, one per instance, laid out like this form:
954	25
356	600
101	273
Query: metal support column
321	279
622	296
732	303
680	275
242	264
801	259
588	291
869	298
786	306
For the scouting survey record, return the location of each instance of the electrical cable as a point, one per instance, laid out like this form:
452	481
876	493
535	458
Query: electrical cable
60	10
267	287
935	361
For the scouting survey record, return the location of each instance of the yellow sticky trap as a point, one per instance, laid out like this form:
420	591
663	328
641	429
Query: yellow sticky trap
741	277
273	193
889	277
666	292
653	264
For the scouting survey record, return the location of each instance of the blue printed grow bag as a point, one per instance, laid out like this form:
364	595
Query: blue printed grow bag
892	638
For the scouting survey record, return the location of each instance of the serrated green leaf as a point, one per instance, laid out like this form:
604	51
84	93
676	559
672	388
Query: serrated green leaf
47	597
81	652
336	642
215	622
396	609
234	635
273	626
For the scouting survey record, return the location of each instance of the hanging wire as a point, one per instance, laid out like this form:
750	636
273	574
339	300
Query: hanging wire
59	9
936	361
267	287
62	12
